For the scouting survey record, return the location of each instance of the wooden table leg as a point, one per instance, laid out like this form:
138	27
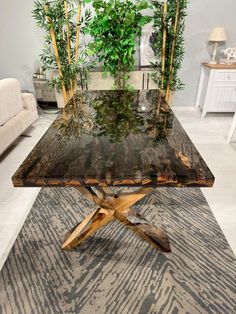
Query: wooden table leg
97	219
153	235
118	207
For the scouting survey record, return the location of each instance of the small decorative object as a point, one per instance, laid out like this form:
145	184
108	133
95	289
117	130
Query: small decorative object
40	74
217	36
230	56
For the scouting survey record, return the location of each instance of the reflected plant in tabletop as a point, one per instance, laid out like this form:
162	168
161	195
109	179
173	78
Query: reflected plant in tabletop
76	119
117	116
159	124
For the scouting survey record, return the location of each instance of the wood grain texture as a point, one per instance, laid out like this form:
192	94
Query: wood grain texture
114	206
112	142
154	236
103	276
93	222
220	66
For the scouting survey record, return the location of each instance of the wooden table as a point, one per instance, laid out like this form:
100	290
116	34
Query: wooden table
107	139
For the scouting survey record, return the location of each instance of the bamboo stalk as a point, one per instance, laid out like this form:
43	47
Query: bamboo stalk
77	32
54	43
168	91
163	59
163	53
77	37
67	32
68	45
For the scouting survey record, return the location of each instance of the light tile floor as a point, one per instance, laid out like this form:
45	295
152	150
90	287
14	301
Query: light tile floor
209	135
15	203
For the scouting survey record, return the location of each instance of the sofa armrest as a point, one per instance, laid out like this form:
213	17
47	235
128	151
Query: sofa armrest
29	102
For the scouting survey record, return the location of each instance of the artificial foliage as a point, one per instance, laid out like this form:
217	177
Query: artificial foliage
75	120
117	117
115	28
167	42
62	23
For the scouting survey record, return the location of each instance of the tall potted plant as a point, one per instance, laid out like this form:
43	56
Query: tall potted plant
115	27
168	43
62	23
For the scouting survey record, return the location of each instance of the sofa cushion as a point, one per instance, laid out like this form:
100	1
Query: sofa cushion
26	118
10	99
15	126
8	133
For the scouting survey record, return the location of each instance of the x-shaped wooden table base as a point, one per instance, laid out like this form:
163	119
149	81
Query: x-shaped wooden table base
112	206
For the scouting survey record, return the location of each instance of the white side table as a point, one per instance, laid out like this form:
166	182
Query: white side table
217	88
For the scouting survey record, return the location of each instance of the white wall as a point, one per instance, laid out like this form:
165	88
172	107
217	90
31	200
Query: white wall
203	16
21	41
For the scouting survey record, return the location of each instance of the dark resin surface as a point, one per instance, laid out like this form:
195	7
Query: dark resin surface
115	138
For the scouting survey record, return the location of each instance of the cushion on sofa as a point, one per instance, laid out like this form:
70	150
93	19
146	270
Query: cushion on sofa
10	99
15	126
8	133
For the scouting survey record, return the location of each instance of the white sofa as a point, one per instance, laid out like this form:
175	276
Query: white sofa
17	112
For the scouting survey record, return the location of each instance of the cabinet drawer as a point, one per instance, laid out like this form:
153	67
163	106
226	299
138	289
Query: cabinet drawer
225	76
98	81
223	98
48	95
224	93
136	79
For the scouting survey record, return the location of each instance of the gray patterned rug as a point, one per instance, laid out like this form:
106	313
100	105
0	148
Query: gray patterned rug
115	271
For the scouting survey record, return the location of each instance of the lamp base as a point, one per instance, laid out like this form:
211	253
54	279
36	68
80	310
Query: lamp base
213	58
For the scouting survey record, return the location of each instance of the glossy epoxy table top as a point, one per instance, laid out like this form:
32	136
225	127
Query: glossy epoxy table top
115	138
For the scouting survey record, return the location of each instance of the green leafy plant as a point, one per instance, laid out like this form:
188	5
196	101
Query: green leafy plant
167	42
115	28
62	23
116	115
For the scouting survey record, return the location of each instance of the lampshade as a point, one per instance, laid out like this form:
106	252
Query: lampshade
218	34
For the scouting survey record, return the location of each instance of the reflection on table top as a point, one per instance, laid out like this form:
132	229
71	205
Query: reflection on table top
115	138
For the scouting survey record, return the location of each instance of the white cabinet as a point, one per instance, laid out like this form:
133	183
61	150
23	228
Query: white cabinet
97	80
137	79
217	88
42	90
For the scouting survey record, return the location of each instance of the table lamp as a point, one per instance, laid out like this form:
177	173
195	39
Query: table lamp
216	36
